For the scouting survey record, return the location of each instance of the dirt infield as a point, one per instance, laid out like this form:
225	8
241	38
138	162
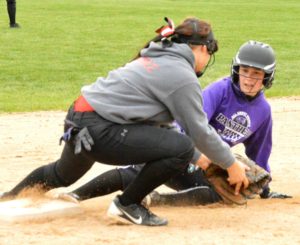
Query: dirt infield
28	140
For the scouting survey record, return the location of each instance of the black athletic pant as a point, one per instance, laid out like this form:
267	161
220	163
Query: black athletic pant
165	152
11	10
192	188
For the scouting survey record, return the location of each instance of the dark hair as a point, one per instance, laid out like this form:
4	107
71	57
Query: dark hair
191	31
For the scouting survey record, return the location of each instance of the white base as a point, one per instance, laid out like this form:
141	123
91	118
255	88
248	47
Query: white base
25	209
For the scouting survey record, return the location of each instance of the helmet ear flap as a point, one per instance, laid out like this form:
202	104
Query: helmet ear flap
234	72
268	80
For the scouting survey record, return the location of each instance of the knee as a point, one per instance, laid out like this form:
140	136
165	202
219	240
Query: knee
184	153
203	195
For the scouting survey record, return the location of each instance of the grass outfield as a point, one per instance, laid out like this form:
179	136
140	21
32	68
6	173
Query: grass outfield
65	44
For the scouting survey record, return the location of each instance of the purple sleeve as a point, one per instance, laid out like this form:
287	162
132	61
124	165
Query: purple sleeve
259	145
212	97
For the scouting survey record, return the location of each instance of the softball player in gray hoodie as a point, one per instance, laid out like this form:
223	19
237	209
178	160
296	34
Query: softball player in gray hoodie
117	120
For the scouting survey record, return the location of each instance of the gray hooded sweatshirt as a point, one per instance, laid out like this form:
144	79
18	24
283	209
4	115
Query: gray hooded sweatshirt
156	89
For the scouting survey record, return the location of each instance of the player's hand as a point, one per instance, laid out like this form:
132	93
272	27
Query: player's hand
203	162
237	176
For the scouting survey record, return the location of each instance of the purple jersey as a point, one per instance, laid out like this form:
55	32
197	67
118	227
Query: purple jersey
238	120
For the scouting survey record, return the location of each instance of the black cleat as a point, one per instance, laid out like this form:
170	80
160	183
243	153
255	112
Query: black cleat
134	213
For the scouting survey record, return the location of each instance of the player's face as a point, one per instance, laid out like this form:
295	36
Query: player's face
251	80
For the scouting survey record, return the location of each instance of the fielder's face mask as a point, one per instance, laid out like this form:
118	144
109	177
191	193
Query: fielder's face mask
209	64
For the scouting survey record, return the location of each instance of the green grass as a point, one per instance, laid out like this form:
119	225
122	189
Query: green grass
65	44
